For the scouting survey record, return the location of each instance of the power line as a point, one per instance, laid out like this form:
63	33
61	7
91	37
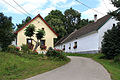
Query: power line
13	7
89	7
22	8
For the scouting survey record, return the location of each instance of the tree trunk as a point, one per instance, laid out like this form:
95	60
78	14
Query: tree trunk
36	46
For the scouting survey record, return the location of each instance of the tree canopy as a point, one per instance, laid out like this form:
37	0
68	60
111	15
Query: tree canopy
6	31
72	20
111	41
29	31
56	20
65	23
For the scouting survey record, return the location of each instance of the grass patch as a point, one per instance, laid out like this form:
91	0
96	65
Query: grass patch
112	67
21	67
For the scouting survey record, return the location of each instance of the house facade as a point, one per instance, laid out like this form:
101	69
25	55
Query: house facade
88	38
39	22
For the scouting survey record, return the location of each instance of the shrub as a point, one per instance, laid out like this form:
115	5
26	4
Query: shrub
25	48
13	49
35	52
56	54
58	49
117	58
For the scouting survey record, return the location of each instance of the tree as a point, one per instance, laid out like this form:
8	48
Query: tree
72	20
6	31
67	23
30	31
23	22
111	42
116	13
56	20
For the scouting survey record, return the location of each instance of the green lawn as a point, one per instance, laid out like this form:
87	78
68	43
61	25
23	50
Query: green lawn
113	68
17	67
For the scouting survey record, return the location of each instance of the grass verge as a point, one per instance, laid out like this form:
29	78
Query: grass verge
112	67
21	67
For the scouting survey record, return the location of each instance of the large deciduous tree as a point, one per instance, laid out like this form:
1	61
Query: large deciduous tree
67	23
6	31
72	20
56	20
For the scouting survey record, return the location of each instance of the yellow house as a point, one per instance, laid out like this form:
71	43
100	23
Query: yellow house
39	23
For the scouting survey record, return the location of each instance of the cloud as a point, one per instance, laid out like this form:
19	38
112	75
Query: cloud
44	12
33	7
28	5
54	2
63	5
102	8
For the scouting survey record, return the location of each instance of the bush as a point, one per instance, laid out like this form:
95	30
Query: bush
111	43
56	54
117	58
13	49
34	52
25	48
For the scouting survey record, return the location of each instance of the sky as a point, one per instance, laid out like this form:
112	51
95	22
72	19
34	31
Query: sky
43	7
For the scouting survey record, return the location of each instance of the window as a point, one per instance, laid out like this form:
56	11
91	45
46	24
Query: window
42	42
75	45
113	24
64	47
70	46
29	41
42	45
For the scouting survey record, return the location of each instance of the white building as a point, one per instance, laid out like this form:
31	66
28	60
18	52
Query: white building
88	38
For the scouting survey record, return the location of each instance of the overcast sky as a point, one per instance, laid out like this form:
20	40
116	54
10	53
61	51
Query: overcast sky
43	7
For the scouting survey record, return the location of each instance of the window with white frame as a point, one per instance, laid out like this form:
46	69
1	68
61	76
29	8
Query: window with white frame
75	45
70	46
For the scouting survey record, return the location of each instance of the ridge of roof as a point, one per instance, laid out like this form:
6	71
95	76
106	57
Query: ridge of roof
87	29
61	39
33	20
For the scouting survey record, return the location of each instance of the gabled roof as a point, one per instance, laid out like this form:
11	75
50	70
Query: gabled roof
33	20
87	29
59	41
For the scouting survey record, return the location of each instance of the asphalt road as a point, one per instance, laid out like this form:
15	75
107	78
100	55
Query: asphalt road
78	69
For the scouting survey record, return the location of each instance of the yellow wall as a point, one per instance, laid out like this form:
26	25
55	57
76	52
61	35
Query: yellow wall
39	24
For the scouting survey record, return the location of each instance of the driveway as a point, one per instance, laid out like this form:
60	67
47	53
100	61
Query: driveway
78	69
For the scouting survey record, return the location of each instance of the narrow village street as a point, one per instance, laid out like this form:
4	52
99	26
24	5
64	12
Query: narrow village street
78	69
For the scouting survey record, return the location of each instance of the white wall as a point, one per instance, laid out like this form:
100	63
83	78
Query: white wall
108	25
88	42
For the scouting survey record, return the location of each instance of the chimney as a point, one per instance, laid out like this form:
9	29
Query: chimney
95	17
